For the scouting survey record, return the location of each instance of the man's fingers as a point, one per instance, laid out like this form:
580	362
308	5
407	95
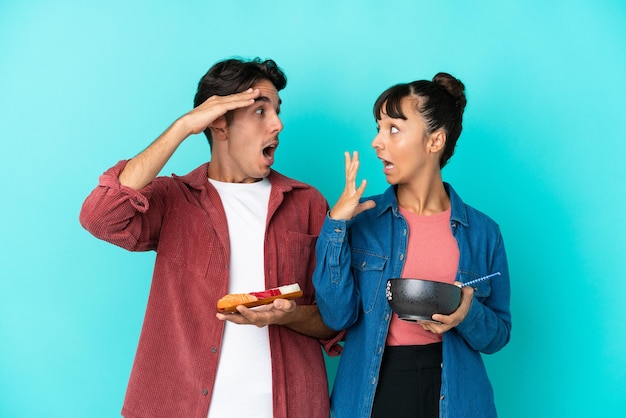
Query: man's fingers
232	101
261	316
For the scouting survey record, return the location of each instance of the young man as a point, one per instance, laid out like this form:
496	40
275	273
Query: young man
233	225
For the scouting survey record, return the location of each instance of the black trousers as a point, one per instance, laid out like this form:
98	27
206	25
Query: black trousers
409	382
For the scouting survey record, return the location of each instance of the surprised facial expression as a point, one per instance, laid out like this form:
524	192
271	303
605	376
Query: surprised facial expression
253	135
401	144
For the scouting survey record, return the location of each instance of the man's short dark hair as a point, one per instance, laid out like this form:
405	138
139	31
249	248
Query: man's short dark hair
234	76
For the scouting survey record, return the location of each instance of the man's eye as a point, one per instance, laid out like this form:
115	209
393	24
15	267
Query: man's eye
394	130
259	111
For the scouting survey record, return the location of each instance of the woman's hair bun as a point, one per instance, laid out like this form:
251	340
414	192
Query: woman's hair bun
453	86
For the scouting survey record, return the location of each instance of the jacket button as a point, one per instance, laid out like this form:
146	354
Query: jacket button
214	349
205	392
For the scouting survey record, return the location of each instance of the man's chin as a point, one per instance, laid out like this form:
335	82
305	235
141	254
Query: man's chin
264	173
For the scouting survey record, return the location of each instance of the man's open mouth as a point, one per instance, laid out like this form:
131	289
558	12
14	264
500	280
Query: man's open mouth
268	151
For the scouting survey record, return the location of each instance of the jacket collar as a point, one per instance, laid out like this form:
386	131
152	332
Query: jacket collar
459	210
388	201
197	179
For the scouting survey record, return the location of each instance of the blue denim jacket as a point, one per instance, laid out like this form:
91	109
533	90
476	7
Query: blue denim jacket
354	260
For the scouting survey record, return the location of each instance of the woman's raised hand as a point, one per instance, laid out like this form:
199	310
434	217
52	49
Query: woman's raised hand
348	205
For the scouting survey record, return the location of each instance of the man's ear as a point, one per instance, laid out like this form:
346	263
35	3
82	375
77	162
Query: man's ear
437	140
219	128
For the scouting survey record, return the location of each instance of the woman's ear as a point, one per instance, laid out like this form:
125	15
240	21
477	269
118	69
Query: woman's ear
437	141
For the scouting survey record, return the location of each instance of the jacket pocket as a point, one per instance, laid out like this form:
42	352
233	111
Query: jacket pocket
368	270
299	262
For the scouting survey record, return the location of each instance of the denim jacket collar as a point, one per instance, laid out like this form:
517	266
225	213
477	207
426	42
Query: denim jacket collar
389	201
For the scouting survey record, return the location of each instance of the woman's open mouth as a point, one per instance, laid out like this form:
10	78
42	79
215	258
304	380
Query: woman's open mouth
388	165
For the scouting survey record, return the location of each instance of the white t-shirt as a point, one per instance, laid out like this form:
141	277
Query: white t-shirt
243	385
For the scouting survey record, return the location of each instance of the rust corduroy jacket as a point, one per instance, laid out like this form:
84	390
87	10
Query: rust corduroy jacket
182	219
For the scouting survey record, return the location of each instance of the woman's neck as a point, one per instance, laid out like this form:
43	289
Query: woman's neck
424	196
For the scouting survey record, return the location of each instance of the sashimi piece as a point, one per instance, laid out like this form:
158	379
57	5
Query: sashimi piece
229	302
283	290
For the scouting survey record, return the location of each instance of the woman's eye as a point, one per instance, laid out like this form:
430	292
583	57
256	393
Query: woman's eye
394	130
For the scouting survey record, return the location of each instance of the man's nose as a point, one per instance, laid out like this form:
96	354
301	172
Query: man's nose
277	124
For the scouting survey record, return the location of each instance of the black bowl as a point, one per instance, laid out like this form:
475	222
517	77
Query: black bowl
417	300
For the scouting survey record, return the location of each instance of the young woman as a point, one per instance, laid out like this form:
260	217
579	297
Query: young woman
418	228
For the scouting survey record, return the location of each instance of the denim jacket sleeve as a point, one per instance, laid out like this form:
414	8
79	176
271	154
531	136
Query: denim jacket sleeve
487	326
336	292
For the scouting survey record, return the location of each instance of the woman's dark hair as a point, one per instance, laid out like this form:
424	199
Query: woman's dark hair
234	76
440	102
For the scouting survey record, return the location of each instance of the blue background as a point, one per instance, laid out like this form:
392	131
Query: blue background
84	84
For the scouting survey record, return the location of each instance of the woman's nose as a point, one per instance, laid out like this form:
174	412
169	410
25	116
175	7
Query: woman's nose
377	143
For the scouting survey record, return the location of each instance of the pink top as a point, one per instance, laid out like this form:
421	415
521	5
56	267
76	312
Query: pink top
182	219
432	254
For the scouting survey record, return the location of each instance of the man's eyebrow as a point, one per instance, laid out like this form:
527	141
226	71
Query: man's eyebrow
262	99
267	100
